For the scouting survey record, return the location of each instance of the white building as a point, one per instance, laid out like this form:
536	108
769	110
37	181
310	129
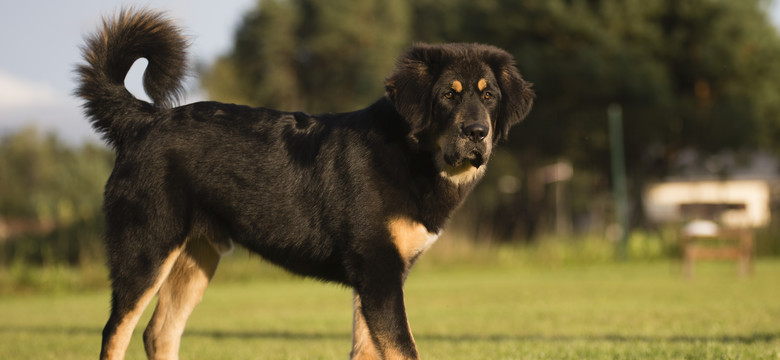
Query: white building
733	190
733	203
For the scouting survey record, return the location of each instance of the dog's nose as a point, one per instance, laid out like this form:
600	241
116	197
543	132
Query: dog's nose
475	132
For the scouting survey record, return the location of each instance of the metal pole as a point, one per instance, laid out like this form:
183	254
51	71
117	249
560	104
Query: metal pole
620	189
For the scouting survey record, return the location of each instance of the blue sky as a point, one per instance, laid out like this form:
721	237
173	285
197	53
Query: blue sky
39	47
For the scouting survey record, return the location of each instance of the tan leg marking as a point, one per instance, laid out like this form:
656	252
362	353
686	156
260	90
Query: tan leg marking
363	347
179	295
457	86
410	237
391	352
482	84
119	342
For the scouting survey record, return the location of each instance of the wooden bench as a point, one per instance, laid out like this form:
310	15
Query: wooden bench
704	240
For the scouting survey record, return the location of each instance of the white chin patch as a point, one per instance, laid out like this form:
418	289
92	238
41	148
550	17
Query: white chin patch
462	174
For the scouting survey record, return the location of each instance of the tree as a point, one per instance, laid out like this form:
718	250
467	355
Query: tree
44	180
50	199
313	55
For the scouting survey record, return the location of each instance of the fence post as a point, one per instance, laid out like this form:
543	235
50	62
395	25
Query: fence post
619	187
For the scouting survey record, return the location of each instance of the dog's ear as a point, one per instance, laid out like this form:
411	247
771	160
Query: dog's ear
517	97
411	84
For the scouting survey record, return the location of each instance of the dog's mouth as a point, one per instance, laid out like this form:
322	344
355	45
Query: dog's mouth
457	159
475	159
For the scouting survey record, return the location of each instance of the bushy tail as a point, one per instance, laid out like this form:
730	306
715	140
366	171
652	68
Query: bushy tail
113	111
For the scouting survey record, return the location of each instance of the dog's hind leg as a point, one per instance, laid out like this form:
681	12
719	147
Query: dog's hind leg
178	296
131	294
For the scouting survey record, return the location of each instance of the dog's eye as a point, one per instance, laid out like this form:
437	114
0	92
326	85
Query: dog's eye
487	95
448	95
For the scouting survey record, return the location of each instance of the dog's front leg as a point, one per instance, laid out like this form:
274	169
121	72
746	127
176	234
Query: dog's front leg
380	328
362	344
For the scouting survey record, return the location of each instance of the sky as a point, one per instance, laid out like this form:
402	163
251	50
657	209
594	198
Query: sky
40	46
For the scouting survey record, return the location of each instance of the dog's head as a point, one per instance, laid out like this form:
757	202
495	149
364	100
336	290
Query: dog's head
459	101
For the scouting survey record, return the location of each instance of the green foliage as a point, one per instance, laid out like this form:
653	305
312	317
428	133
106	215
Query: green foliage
317	55
23	278
50	199
45	180
73	244
767	243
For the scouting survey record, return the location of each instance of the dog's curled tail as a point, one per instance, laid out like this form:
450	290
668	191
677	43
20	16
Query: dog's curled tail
109	53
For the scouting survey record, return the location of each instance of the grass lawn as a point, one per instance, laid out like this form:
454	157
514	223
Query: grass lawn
499	311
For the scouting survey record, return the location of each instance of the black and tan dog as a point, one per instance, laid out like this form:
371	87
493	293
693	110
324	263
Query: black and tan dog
351	198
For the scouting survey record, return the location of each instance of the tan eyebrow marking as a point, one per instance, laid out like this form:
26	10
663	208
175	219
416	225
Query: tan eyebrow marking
457	86
482	84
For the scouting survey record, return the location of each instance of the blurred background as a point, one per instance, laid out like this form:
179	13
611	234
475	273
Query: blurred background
649	115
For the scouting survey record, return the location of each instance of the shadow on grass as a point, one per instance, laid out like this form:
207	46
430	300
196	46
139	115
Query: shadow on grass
733	339
761	337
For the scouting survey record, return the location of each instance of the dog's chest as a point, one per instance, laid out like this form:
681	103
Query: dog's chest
410	237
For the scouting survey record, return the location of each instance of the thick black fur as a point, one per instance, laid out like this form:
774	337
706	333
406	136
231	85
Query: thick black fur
310	193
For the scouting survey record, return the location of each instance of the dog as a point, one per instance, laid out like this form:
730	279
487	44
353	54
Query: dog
352	198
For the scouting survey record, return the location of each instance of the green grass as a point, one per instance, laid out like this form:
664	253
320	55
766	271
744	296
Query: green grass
472	311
